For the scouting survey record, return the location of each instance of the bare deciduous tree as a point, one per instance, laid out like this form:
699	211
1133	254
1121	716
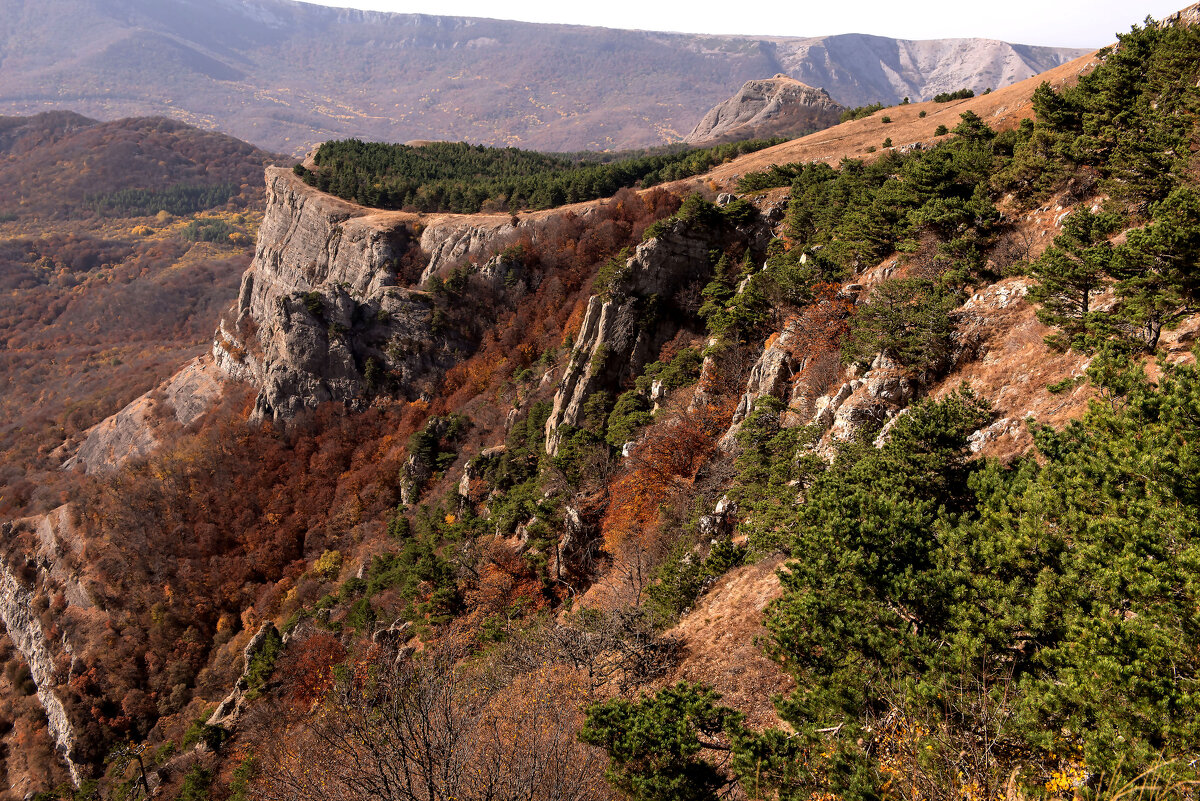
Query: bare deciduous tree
425	729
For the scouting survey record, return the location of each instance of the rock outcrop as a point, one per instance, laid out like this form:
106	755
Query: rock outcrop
624	329
229	711
453	240
25	630
779	106
1187	16
133	431
319	314
842	401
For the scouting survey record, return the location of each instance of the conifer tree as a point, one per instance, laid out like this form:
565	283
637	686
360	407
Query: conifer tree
1073	270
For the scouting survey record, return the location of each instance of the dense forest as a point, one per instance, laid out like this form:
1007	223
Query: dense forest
949	627
463	178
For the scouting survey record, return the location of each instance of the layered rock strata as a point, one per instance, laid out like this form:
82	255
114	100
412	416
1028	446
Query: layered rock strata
322	314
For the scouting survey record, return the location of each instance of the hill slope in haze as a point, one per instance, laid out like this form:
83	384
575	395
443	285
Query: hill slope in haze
286	75
119	244
60	165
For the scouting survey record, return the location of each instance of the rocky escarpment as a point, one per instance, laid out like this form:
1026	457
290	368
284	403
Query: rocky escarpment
779	106
135	430
454	239
17	612
320	314
997	350
640	308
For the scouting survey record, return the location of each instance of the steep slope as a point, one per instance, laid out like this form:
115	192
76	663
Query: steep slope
561	475
858	69
287	75
778	106
117	240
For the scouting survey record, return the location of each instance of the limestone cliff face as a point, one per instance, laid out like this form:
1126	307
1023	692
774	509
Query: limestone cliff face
456	238
320	314
625	328
321	300
17	613
135	430
779	106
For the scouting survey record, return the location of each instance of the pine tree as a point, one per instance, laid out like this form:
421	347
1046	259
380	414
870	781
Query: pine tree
1158	269
1074	269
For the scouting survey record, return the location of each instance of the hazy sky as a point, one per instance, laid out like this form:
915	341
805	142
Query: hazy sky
1067	23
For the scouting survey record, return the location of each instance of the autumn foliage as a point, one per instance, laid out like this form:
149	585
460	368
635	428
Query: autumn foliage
663	465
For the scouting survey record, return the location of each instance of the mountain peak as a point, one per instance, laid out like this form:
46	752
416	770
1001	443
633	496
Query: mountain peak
780	105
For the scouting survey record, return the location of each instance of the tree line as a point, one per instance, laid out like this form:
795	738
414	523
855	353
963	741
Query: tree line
464	178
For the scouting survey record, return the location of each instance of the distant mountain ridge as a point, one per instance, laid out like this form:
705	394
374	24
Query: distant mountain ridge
285	75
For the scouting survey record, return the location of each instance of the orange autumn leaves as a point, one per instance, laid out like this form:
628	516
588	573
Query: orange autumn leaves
662	466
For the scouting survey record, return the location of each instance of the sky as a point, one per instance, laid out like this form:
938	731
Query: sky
1065	23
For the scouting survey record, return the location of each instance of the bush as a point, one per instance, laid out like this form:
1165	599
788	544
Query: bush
859	112
683	577
630	413
946	97
941	130
200	732
196	784
654	744
262	664
207	229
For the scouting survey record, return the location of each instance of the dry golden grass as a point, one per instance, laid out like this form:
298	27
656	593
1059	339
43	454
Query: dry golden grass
720	648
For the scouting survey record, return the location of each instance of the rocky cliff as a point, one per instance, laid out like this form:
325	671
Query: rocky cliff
138	428
321	315
37	574
640	308
779	106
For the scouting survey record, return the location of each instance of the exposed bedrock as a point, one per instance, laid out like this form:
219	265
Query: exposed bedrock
644	307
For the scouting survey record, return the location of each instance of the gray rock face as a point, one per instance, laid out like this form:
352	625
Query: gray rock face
131	432
858	68
1187	16
319	315
24	629
450	241
616	339
721	523
855	400
229	710
770	107
581	530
